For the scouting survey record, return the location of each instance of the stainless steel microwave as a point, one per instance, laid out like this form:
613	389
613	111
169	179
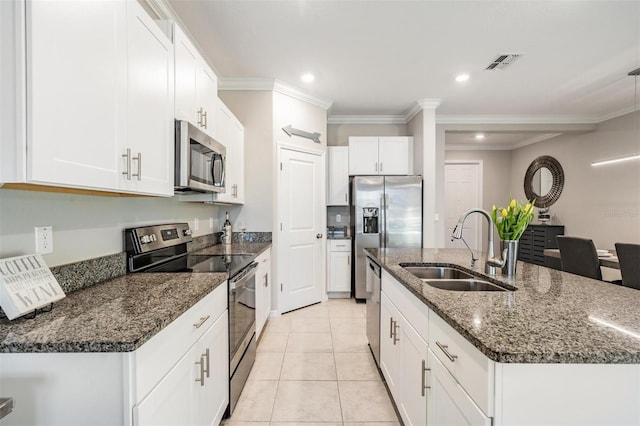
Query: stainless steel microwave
199	160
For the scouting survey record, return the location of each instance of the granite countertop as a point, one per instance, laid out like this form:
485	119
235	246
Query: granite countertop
552	317
236	248
118	315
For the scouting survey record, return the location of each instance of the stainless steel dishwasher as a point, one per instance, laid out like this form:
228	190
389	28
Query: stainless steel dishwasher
373	288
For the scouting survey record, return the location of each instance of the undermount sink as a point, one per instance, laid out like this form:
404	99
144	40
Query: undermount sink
448	278
464	285
438	272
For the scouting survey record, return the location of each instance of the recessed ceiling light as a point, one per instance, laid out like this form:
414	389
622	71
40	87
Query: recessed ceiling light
462	77
479	136
308	77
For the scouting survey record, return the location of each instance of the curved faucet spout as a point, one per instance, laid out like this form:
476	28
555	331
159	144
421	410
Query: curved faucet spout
491	262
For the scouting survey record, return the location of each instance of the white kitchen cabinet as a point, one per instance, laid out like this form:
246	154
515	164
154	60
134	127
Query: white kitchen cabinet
99	92
403	353
384	155
231	135
339	266
195	390
150	128
448	403
196	86
338	173
263	290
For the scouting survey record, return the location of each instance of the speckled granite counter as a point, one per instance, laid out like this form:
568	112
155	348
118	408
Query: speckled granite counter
552	317
118	315
235	248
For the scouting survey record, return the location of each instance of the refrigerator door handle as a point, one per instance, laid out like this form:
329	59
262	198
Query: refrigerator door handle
383	221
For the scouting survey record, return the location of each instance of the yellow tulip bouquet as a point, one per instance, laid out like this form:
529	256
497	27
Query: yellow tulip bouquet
513	220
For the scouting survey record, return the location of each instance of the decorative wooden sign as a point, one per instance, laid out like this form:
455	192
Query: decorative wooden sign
26	284
291	131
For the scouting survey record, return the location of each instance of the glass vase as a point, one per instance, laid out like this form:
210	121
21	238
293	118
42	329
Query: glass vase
509	250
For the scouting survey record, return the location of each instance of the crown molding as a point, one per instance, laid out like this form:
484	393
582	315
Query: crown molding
477	148
514	119
536	139
419	105
366	119
275	85
618	113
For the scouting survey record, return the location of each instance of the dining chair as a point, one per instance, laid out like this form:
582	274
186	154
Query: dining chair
629	259
579	256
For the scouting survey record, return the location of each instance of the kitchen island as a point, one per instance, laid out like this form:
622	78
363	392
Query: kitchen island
556	349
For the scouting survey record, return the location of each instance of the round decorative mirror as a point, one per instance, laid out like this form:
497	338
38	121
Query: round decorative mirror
544	181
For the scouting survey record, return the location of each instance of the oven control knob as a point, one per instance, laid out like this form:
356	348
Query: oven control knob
145	239
187	232
152	237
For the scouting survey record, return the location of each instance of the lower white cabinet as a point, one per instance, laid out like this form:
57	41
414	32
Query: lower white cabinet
403	354
448	403
339	266
195	390
263	290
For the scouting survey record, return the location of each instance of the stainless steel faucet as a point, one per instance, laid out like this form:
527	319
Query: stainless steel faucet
491	263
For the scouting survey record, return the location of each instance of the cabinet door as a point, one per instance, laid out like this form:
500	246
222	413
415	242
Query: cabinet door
231	135
213	396
76	83
171	401
186	63
150	130
363	155
394	155
389	348
263	291
237	134
207	84
338	187
448	403
413	365
339	271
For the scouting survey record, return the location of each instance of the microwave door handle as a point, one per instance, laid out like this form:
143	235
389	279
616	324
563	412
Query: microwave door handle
219	158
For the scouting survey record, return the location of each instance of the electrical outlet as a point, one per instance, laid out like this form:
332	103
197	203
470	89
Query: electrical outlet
44	239
211	223
338	218
196	224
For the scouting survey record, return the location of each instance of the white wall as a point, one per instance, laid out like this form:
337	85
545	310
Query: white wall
254	109
338	134
87	226
601	203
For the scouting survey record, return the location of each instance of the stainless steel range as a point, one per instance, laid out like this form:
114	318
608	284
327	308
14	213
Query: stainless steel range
163	248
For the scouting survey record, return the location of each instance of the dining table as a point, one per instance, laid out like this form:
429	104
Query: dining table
609	260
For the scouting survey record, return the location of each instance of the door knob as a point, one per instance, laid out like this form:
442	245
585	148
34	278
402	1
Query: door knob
318	236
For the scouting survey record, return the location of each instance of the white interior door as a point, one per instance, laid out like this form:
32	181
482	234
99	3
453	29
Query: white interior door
301	245
461	193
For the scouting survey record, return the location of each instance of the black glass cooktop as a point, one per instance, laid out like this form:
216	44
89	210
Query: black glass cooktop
231	263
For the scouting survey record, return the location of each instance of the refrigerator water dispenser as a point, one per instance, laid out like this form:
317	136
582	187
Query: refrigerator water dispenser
370	220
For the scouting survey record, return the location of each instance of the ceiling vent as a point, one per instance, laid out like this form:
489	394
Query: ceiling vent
503	61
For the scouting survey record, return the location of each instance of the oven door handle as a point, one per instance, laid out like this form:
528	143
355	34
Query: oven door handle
246	271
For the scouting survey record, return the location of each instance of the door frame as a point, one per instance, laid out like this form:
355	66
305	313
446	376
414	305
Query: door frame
276	240
479	228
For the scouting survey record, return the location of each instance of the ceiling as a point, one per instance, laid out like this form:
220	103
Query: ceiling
377	58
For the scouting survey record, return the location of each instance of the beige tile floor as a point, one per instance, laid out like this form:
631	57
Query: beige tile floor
314	368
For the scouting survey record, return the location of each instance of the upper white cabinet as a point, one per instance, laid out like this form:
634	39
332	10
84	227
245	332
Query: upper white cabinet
196	87
231	135
338	173
388	155
99	92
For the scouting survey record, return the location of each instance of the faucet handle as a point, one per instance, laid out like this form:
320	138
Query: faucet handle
498	262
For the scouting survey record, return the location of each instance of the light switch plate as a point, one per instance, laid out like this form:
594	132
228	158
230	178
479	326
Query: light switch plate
44	239
338	218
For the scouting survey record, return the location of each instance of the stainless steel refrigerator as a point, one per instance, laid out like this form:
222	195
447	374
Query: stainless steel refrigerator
386	211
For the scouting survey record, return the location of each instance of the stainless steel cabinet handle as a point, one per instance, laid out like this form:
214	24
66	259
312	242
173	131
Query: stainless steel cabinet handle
444	348
266	280
127	172
200	117
424	377
139	160
346	197
390	327
380	166
201	364
348	260
376	167
396	339
206	355
202	321
205	121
